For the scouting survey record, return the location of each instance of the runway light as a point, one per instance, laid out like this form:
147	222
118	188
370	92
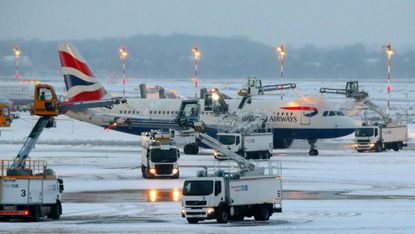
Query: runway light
17	54
123	56
281	55
196	56
389	52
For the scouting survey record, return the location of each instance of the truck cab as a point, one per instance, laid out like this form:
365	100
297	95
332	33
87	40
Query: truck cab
366	138
252	88
45	101
159	155
201	196
5	116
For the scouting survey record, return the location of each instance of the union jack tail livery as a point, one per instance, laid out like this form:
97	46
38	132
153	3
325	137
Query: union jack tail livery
81	84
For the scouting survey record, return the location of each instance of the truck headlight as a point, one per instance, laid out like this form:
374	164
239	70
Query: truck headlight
183	211
175	170
210	210
371	145
152	170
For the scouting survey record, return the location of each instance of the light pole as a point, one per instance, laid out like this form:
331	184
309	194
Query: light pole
123	56
196	55
17	54
281	55
389	52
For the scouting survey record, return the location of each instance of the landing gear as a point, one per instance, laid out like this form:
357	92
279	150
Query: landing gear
313	151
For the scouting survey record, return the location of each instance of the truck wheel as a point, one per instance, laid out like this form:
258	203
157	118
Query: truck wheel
378	147
192	220
223	215
35	214
56	211
262	213
4	219
396	147
238	217
143	171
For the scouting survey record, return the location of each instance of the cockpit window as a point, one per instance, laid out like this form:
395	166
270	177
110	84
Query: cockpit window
325	113
339	113
331	113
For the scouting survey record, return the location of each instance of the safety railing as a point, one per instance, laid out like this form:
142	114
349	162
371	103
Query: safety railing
33	169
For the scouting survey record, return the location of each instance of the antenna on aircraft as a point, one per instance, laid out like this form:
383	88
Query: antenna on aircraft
17	53
123	56
281	55
389	52
196	55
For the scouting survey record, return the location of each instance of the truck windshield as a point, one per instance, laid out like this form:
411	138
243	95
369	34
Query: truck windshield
364	132
226	140
159	155
198	188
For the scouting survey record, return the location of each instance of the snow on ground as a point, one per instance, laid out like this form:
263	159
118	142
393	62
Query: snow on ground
338	191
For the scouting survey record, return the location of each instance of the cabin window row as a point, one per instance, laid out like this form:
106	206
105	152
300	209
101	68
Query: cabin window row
333	113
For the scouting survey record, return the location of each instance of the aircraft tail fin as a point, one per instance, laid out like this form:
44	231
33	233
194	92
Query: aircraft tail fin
81	83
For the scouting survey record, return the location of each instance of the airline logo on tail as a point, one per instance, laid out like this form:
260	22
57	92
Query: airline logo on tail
80	82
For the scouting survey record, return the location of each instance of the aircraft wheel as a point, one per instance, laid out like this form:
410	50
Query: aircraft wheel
313	152
191	149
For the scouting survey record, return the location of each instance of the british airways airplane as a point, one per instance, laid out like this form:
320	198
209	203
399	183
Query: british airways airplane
308	118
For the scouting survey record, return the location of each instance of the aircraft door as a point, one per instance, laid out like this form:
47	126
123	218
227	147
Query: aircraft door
305	115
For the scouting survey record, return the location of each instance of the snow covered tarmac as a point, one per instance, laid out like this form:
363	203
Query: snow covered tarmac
338	191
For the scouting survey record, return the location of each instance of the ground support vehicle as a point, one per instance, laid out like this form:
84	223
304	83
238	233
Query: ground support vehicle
160	155
381	137
250	146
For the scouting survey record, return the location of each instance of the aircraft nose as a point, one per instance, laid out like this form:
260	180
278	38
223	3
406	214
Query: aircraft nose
351	123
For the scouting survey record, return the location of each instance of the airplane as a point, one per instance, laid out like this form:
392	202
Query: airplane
308	118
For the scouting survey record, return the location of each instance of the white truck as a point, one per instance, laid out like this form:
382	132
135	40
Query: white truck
250	191
30	193
159	156
249	146
231	197
381	137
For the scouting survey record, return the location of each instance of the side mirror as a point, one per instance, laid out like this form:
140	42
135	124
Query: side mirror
61	187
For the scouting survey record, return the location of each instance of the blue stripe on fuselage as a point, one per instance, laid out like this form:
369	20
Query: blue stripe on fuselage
297	133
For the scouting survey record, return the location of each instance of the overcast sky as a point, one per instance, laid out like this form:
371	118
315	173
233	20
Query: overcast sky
294	22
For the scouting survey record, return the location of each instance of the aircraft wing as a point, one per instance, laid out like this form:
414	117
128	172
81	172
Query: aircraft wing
115	120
